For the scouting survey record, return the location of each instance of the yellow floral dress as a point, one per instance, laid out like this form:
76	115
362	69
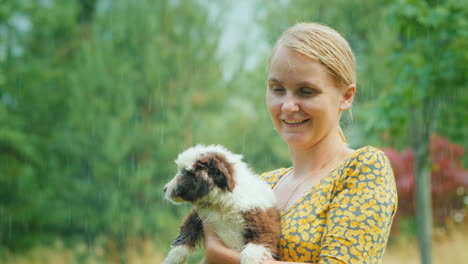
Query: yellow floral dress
346	217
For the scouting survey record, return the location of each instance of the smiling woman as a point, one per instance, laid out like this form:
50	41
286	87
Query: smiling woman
337	204
303	101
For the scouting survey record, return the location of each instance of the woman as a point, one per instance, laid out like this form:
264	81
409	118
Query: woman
336	204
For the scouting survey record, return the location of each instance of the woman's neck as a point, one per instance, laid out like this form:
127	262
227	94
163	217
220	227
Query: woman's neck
320	158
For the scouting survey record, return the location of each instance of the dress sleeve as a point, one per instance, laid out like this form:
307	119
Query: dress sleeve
361	212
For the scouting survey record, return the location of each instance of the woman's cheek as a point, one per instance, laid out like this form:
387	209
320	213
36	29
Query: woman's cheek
274	101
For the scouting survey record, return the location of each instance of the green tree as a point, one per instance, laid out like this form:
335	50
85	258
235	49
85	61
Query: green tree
431	60
29	95
96	106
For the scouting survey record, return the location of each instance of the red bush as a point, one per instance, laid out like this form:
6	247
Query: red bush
448	178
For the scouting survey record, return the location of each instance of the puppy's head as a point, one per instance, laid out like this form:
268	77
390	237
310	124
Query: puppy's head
201	170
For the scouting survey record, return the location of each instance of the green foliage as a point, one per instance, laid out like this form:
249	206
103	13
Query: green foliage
432	68
94	109
431	61
97	98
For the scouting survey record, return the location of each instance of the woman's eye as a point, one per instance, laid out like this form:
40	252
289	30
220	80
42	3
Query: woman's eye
277	89
307	91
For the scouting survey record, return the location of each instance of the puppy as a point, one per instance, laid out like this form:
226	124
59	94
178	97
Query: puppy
225	193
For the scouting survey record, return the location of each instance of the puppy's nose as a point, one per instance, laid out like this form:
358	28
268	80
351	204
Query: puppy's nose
165	188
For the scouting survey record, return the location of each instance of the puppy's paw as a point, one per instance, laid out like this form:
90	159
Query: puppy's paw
177	255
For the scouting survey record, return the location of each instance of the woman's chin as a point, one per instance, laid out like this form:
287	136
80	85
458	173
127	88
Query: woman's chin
296	141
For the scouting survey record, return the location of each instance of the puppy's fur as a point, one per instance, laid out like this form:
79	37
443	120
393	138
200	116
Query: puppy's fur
224	192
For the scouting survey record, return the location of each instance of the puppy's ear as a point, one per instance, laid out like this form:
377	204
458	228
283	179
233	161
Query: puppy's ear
218	169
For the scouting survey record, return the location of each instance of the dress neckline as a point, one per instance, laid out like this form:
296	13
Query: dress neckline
315	186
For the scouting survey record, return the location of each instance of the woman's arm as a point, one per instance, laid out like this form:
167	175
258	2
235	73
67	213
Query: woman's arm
361	212
216	251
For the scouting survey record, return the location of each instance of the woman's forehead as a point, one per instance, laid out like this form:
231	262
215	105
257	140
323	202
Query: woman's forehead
287	65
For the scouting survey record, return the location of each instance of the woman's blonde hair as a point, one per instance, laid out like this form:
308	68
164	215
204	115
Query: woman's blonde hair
325	45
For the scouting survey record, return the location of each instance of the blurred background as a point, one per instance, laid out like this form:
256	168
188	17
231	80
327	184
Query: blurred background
97	98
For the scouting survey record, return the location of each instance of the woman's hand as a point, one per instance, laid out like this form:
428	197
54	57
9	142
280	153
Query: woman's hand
215	251
212	241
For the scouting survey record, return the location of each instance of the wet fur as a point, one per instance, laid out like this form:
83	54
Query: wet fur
225	193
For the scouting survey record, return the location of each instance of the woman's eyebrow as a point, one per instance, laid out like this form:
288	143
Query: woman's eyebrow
313	85
274	80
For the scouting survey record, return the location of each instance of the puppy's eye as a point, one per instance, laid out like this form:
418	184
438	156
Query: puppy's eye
186	173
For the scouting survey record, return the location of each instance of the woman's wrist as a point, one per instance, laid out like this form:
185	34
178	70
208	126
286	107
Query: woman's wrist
211	245
216	252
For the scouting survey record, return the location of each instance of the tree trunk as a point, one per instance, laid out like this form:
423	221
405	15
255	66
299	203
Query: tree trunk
420	132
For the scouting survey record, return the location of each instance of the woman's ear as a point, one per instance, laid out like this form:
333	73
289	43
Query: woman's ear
348	97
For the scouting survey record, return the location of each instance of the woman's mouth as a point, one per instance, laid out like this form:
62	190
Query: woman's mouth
294	122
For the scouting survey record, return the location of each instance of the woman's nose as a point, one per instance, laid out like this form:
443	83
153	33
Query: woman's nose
290	105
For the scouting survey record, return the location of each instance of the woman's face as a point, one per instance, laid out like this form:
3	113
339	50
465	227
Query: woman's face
303	100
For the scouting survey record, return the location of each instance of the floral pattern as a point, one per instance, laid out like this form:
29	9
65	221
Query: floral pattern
346	217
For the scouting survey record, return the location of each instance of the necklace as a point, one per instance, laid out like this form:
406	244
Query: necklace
293	192
297	186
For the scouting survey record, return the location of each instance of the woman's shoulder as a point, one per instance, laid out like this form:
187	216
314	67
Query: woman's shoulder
272	177
365	160
367	164
369	155
369	149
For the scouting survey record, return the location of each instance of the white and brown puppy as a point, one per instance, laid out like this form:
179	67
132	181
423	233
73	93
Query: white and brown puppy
225	193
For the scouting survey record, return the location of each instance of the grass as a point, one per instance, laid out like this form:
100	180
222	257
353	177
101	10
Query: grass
447	248
138	251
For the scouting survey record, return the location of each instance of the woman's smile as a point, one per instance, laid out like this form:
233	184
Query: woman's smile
295	122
